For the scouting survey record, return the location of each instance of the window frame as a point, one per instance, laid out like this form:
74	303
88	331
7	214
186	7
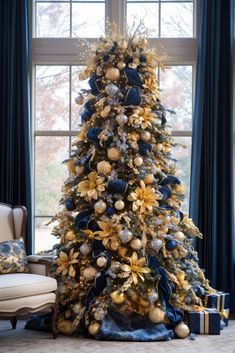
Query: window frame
61	51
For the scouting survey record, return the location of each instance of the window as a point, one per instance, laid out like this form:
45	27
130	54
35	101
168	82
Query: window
57	61
166	19
64	19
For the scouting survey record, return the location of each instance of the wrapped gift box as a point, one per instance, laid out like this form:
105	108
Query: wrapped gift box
219	301
205	322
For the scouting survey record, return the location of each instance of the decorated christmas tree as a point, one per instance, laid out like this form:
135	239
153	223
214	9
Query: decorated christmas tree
125	264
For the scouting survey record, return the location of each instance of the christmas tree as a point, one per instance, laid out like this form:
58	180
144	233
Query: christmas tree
125	264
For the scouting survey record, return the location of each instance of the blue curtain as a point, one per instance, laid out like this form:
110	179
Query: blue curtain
15	140
211	201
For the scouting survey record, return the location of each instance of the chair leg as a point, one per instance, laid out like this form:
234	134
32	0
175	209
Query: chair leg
53	319
13	322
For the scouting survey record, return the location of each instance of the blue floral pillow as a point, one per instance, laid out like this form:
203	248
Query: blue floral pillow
13	257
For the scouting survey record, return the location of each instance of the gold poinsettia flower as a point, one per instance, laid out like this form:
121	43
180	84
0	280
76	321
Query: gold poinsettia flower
92	187
136	269
142	117
89	233
65	263
151	84
109	234
144	198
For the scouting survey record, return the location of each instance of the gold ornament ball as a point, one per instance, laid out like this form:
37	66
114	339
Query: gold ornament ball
182	330
179	236
105	112
156	315
117	297
138	161
136	244
93	328
119	205
121	65
114	154
66	327
79	170
100	207
101	261
143	42
166	149
77	308
158	147
104	167
112	74
89	273
148	179
145	136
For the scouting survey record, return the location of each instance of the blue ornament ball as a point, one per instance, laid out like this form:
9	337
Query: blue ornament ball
171	245
110	211
70	204
117	186
199	291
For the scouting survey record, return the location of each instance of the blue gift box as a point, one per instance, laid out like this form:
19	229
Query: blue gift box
206	322
218	300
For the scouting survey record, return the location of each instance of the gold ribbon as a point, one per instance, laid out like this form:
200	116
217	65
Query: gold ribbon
224	314
206	322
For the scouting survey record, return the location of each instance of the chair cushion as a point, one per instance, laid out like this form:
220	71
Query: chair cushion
30	304
13	257
20	285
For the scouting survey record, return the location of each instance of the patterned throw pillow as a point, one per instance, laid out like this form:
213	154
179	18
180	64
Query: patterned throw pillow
13	257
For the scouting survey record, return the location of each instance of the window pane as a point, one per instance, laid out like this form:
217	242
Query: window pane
176	94
146	12
52	20
52	98
183	155
176	20
50	174
44	240
76	86
88	19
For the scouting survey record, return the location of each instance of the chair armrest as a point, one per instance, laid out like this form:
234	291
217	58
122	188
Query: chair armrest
39	265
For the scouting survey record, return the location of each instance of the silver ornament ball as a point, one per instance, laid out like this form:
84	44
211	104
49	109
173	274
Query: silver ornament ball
121	119
125	235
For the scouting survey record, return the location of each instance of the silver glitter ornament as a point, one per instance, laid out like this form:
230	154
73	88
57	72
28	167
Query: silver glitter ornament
85	249
156	244
111	90
125	235
115	266
121	119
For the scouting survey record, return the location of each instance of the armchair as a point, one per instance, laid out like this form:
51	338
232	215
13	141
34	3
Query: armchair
23	293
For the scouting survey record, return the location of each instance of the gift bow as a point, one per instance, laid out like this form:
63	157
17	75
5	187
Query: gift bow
224	314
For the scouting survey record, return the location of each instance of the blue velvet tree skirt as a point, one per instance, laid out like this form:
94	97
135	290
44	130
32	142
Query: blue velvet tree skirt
132	327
